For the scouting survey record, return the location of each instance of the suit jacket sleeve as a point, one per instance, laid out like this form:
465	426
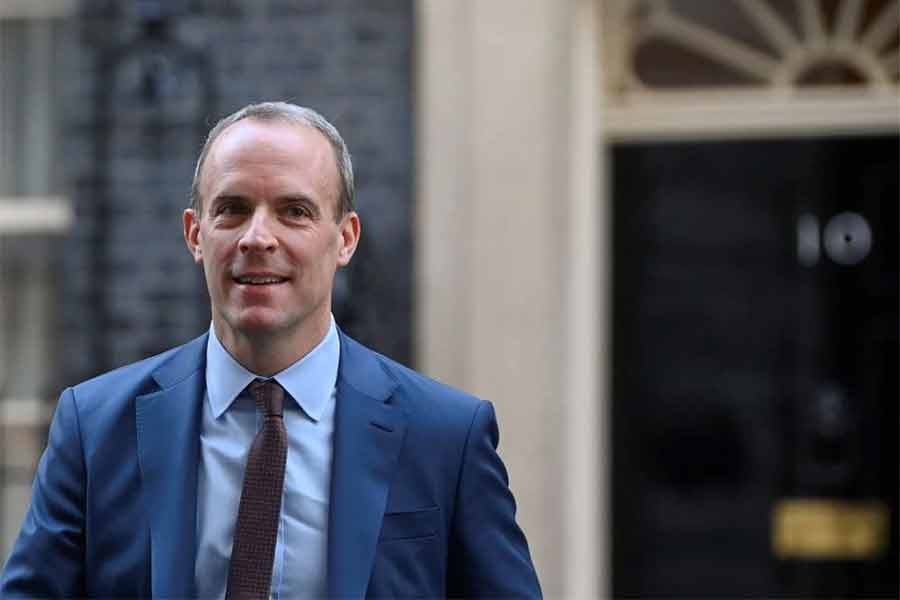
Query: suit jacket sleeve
488	552
47	559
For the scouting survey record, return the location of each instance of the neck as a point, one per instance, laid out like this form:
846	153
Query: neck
266	354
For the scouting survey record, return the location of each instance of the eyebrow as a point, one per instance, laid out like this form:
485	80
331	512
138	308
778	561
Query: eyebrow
281	201
228	198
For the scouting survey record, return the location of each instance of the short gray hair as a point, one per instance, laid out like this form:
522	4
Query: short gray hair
288	113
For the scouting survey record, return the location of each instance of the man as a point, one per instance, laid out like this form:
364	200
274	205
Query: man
273	454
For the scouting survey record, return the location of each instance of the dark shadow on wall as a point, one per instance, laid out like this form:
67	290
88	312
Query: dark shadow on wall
143	82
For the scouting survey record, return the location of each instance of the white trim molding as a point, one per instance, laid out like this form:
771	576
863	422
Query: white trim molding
37	9
750	113
35	215
586	364
24	412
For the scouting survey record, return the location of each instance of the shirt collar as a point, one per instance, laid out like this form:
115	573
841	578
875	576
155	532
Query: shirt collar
310	381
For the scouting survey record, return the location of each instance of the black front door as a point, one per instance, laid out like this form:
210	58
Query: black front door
755	362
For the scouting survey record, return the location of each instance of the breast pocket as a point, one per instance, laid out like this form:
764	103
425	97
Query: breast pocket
410	525
410	559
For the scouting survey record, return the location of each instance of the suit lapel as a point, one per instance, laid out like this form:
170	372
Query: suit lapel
368	434
168	426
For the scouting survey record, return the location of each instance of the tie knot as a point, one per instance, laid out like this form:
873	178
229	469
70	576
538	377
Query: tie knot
268	396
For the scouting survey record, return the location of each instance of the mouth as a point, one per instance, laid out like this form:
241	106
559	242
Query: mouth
259	279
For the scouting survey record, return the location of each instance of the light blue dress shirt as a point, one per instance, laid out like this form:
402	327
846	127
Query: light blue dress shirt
229	425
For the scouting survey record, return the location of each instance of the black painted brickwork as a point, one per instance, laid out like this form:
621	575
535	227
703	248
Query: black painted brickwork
133	117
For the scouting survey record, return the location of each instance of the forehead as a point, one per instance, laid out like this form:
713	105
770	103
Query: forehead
270	149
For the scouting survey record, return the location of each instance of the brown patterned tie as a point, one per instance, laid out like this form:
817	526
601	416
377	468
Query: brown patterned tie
253	552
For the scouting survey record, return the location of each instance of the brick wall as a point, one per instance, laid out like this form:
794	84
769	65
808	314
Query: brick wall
134	114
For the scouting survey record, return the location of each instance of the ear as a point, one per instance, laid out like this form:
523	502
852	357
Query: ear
349	231
192	234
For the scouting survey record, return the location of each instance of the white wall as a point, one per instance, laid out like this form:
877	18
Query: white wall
508	253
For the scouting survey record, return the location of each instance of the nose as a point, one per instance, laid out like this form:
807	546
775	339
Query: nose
258	237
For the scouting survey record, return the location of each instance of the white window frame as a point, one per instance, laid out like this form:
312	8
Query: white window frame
24	216
30	215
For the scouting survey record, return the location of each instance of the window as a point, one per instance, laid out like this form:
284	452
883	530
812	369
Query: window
681	68
31	216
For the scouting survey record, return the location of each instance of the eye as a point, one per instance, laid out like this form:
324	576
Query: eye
230	208
298	211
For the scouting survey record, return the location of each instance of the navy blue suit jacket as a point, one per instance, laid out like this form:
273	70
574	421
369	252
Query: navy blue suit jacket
419	498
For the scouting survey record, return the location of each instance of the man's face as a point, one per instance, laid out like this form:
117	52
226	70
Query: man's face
267	237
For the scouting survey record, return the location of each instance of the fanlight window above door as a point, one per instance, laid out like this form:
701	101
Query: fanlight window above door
697	67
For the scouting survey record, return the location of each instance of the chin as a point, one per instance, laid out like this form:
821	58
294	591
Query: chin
261	326
258	321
